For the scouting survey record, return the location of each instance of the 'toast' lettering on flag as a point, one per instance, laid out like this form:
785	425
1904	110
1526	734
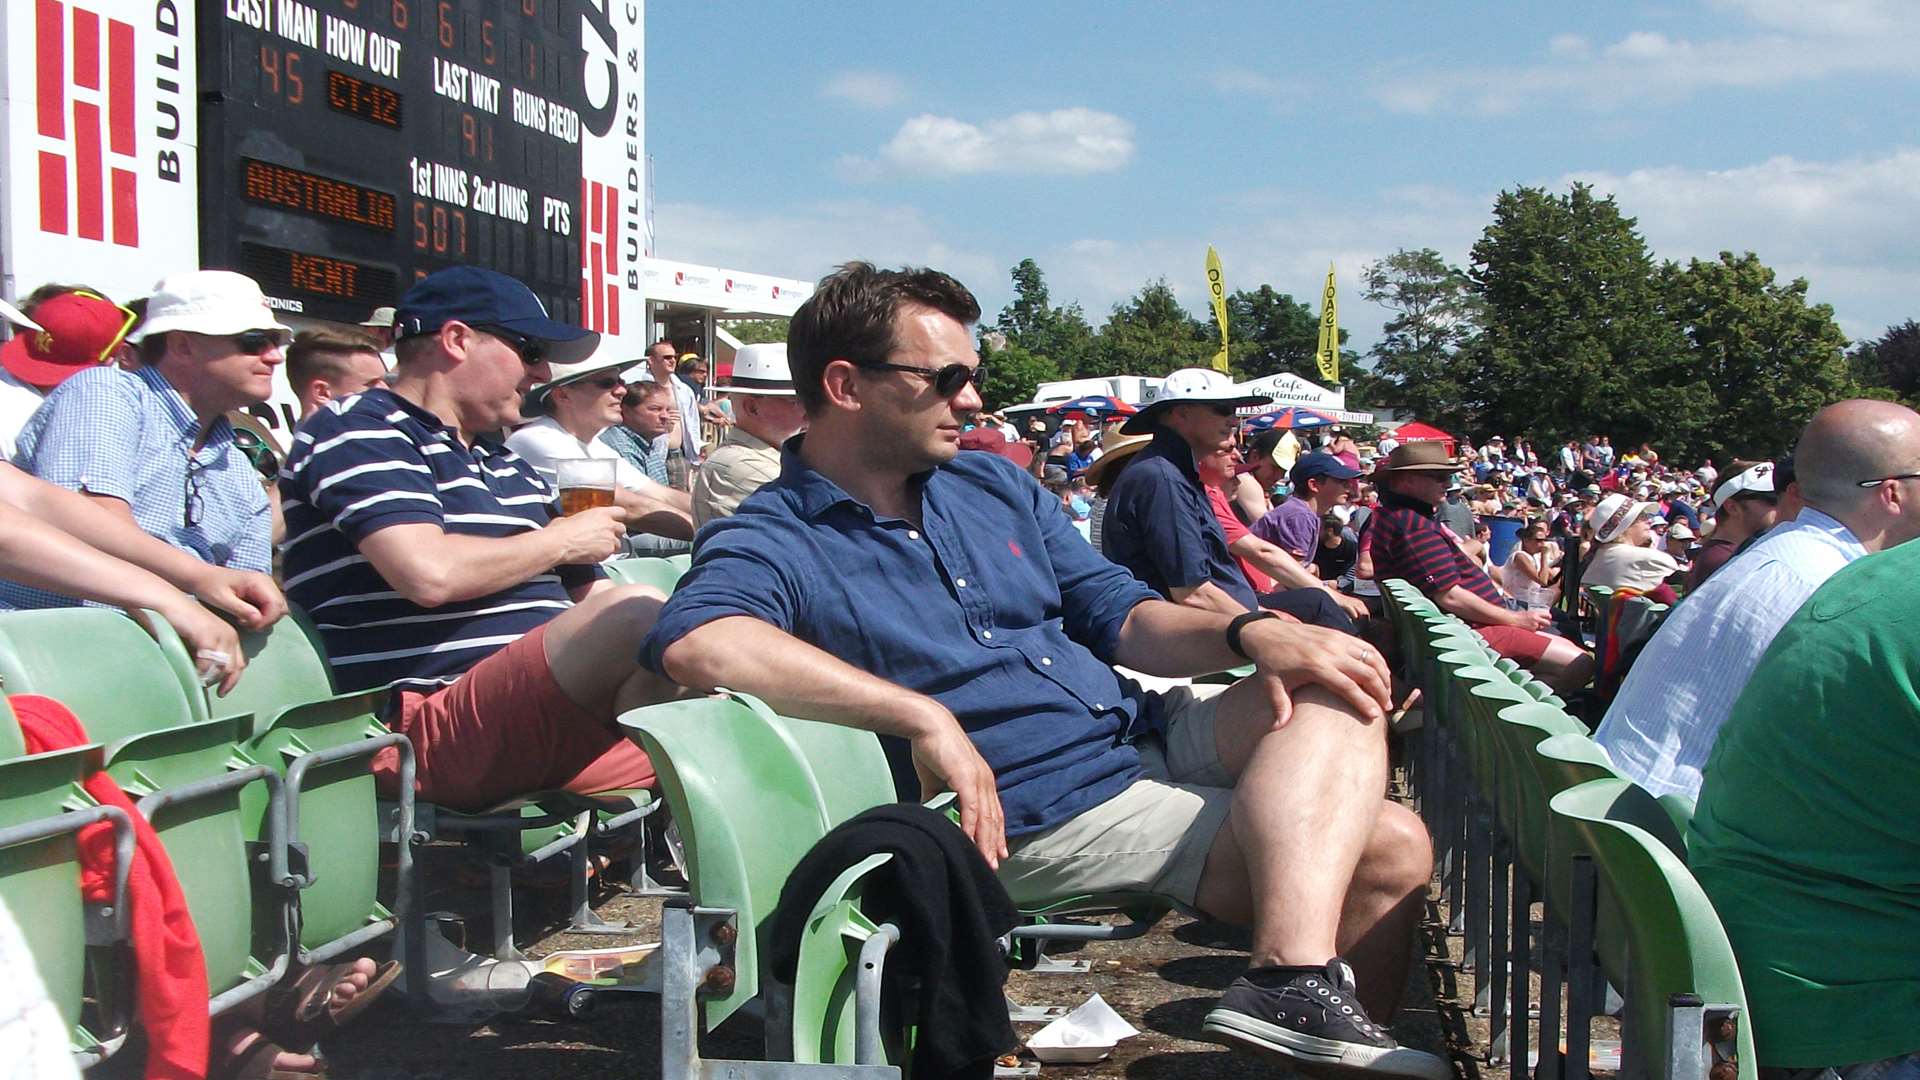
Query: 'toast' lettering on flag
84	74
600	257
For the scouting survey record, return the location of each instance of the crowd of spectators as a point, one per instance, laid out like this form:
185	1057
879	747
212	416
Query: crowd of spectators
872	548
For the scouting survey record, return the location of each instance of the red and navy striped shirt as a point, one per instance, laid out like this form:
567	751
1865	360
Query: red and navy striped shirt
1408	543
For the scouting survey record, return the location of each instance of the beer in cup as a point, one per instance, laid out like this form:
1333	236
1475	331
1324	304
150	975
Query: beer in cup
584	483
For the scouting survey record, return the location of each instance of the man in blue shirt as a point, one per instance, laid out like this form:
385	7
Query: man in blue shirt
154	444
431	560
944	600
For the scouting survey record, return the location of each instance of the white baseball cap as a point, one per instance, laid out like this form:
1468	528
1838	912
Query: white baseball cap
762	370
1755	478
1191	386
214	302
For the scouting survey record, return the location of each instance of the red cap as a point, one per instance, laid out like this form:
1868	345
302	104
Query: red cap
81	330
992	440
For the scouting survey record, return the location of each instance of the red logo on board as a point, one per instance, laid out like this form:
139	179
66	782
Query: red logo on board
600	257
84	113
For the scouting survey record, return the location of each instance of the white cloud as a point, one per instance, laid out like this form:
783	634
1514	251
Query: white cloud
1281	95
1077	140
867	89
1790	42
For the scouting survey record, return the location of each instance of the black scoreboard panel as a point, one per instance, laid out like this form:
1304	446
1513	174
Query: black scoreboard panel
350	147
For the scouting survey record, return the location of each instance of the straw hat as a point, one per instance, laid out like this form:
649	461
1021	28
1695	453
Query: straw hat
1115	447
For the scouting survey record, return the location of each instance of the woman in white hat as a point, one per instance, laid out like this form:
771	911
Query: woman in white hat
1623	556
578	403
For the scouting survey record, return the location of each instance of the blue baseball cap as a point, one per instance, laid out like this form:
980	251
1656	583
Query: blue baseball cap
481	297
1319	464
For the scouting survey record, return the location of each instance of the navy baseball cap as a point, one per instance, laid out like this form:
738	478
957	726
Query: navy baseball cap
1319	464
481	297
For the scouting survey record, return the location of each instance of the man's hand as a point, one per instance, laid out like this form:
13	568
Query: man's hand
252	599
945	760
1530	620
1296	654
202	631
590	536
1355	607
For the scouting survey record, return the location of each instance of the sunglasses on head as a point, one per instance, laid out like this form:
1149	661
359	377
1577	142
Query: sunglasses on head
531	352
947	381
257	342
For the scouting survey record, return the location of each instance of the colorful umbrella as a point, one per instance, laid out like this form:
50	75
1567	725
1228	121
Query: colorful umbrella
1293	416
1093	407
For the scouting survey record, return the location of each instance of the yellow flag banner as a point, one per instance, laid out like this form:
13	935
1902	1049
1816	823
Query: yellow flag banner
1328	354
1217	289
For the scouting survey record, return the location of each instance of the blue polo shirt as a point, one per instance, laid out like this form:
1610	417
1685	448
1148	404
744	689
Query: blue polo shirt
1160	526
994	605
375	460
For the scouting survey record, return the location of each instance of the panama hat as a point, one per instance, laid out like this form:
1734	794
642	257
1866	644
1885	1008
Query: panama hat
1191	386
761	369
1115	447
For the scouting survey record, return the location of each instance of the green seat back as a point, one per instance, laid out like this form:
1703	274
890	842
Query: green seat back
682	561
286	666
40	881
114	676
1524	804
846	766
1664	937
1559	763
662	574
747	809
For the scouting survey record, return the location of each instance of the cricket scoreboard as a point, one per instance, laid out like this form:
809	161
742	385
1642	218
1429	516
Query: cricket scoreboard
350	147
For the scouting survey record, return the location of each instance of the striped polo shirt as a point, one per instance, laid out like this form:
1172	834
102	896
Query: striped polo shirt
373	460
1408	543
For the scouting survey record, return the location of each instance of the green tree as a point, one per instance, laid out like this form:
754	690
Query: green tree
757	331
1417	356
1270	332
1060	335
1896	360
1012	374
1151	334
1762	359
1573	337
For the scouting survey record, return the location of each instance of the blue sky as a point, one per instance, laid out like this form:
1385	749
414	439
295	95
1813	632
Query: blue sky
1113	142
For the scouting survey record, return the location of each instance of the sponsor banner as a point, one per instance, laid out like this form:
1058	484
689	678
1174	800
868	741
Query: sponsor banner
731	291
613	171
97	143
1290	389
1327	356
1217	292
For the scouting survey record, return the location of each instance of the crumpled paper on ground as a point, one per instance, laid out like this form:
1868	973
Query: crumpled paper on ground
1088	1033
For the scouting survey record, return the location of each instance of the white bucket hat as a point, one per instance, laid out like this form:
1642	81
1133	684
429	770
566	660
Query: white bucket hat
1191	386
761	369
563	374
1615	512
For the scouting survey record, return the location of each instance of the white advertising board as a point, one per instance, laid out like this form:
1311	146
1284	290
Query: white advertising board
613	172
98	138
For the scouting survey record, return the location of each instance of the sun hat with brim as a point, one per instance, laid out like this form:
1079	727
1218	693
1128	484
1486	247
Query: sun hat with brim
1191	386
17	317
381	319
212	302
761	369
1753	480
1115	447
81	329
1615	512
480	297
568	374
1417	457
994	441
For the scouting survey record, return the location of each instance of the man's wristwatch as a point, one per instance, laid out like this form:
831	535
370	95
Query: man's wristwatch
1239	624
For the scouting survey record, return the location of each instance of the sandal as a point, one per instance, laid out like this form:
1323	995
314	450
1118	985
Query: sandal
300	1013
256	1062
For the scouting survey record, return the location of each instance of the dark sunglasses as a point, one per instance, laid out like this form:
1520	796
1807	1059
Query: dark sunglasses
947	381
196	503
605	382
257	342
531	352
264	460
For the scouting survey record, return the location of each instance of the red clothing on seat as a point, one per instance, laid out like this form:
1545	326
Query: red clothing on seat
170	971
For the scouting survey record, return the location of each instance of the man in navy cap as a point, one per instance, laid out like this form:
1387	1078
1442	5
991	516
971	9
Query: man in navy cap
1320	483
431	559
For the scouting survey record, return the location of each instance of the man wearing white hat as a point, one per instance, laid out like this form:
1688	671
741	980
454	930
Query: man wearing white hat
578	403
765	414
155	443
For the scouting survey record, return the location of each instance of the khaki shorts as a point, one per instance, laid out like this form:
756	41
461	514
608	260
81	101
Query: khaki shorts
1151	838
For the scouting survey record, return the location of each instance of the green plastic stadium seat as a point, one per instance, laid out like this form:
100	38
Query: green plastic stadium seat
662	574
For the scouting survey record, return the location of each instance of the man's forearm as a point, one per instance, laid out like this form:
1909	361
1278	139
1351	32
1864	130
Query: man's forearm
1176	640
794	678
1207	596
1459	601
37	553
1276	562
107	524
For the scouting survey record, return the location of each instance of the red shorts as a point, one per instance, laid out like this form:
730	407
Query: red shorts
505	729
1518	644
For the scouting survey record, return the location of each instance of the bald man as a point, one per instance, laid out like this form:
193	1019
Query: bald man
1858	468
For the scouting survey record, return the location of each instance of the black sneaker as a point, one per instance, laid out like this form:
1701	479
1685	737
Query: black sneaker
1313	1020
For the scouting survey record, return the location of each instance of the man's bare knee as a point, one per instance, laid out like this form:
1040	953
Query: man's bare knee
1399	854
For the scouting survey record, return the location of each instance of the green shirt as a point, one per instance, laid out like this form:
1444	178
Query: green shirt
1807	834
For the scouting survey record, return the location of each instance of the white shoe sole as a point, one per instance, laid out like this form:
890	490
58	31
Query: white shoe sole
1312	1054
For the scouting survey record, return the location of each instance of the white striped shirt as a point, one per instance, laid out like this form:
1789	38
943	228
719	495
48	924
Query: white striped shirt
1661	727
